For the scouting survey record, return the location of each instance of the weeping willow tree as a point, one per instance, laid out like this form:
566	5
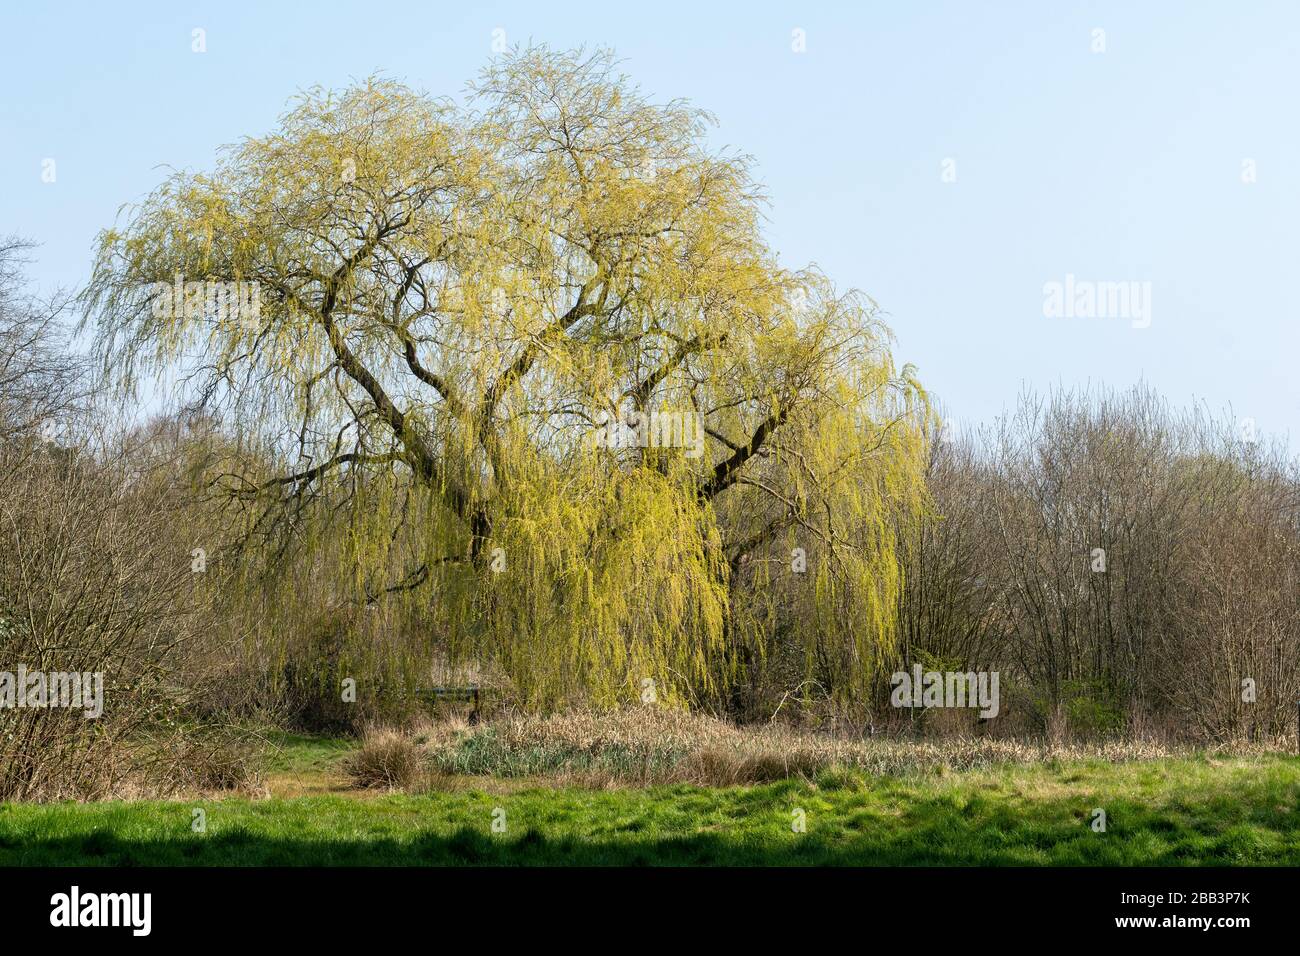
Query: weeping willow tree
528	367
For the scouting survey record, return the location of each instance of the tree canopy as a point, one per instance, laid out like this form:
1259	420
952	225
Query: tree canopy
528	365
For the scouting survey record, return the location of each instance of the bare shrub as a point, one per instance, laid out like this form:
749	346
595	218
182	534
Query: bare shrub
1123	567
386	758
93	582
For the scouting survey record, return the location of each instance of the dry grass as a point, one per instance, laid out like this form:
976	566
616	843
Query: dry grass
646	746
642	746
387	758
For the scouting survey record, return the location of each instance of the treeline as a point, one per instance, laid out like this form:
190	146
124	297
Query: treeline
106	637
1124	566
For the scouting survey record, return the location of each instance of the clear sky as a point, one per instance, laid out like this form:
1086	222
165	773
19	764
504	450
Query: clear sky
1122	165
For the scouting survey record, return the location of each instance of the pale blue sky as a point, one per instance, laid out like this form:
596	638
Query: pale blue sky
1122	165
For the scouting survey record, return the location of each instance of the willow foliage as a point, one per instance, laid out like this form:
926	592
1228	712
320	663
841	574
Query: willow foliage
528	368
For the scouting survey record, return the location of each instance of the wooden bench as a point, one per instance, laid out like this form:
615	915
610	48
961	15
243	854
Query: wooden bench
470	694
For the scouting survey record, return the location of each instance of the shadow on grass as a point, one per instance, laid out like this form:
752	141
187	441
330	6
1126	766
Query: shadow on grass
463	847
466	847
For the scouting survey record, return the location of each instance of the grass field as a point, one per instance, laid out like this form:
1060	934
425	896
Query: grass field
1185	811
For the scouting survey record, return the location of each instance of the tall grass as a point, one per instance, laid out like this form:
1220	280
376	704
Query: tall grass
644	746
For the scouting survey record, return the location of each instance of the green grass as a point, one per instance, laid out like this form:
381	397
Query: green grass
289	752
1226	811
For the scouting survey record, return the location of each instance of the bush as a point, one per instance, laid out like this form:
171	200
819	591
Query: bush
98	595
386	758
